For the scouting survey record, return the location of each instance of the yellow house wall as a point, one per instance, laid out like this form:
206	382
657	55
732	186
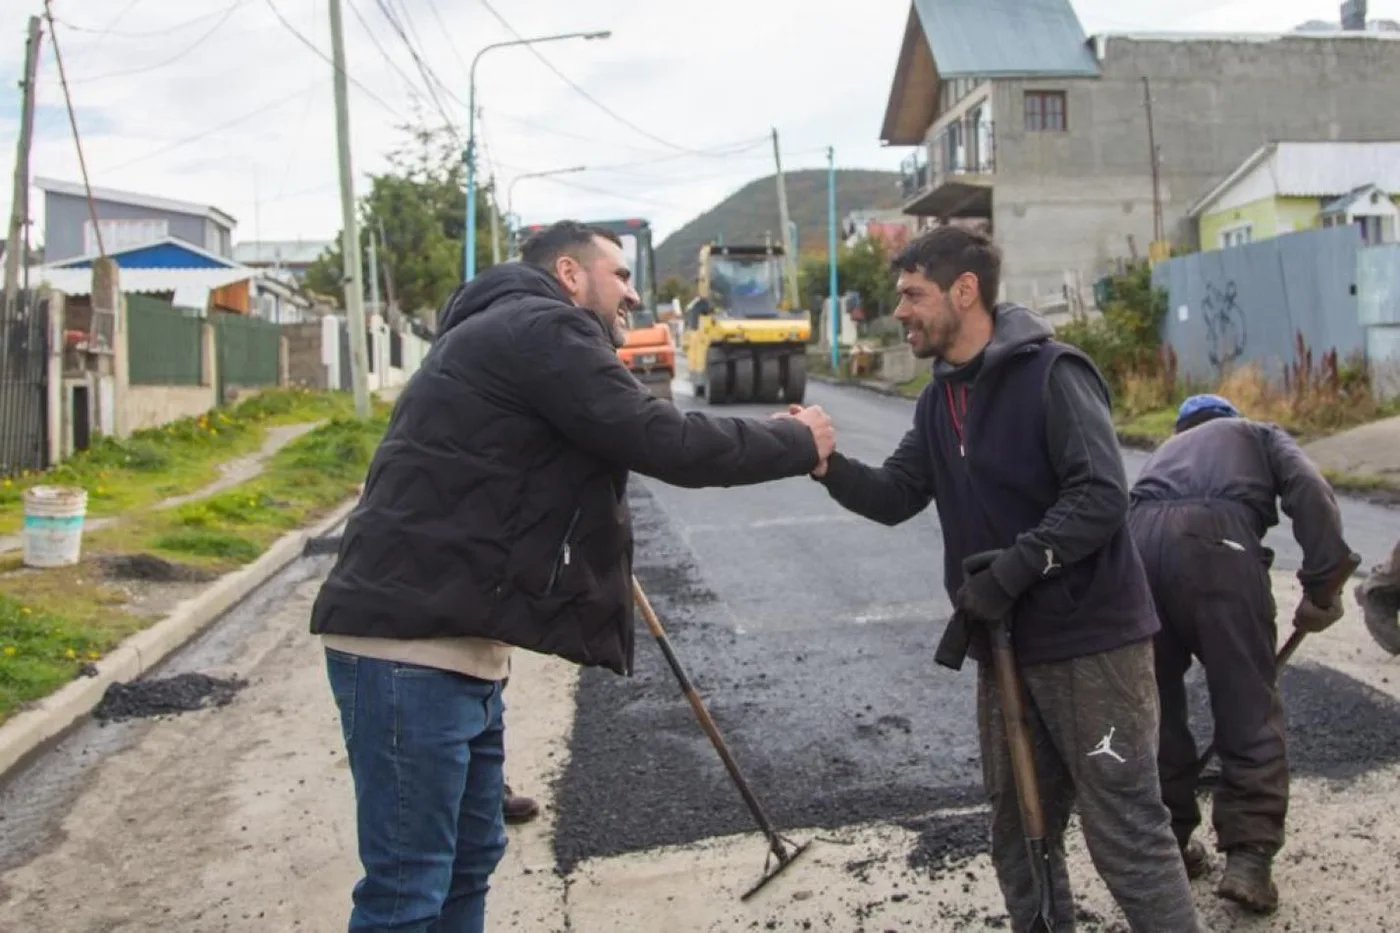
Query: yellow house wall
1261	214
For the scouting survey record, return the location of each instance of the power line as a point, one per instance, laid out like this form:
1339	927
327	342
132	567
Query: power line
88	79
383	53
327	59
429	76
280	101
77	139
144	35
581	92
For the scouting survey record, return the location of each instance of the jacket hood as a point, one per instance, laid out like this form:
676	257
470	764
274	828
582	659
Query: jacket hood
496	283
1013	327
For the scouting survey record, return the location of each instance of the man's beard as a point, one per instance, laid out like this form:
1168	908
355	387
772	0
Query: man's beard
611	320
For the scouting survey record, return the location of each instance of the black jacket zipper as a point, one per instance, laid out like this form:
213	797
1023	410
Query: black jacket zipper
564	555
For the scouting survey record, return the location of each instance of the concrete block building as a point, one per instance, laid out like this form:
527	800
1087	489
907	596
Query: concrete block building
1080	152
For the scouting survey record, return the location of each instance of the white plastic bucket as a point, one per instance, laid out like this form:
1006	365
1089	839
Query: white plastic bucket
53	525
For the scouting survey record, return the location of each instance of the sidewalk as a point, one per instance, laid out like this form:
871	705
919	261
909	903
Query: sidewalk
232	473
1368	450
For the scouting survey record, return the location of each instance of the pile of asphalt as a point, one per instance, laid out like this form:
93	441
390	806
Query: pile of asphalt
182	693
152	569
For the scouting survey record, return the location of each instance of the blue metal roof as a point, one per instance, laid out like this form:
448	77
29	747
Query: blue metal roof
1005	38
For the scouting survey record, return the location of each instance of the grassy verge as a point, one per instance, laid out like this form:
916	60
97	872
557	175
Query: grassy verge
1146	429
52	622
172	460
1383	489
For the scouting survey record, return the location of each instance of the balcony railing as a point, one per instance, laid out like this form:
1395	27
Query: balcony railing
967	147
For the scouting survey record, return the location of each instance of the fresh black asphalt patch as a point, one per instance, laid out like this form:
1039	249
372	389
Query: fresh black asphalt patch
163	696
852	726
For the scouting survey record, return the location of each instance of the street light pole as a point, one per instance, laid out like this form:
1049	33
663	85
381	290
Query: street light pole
834	320
510	194
469	157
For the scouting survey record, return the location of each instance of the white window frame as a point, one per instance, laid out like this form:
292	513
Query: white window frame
1237	235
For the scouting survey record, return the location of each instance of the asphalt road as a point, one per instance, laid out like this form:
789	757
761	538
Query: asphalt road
810	633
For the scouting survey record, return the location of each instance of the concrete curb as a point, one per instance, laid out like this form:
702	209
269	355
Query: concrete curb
857	384
56	713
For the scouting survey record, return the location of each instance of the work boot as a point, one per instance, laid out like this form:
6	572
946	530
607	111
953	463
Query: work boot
518	809
1248	880
1196	859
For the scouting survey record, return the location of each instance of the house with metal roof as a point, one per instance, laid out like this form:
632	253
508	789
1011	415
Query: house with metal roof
287	260
124	219
1079	151
1284	187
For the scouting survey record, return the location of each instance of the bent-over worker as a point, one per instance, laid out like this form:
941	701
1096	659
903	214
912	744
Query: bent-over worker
1201	507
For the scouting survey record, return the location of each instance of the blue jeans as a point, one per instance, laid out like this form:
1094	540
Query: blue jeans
426	754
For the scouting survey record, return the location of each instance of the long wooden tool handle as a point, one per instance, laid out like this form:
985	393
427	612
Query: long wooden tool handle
1017	736
706	722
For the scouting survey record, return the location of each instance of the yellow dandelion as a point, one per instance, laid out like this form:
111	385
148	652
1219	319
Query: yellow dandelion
8	484
70	654
24	609
93	655
9	651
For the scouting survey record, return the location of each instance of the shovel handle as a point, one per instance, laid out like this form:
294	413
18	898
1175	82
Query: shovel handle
1018	741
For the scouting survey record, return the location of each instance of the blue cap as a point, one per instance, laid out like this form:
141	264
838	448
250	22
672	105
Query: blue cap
1199	403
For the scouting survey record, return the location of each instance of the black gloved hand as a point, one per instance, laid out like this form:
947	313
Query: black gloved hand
983	598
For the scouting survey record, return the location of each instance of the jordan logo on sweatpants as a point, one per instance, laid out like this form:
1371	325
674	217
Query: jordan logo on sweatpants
1105	747
1050	563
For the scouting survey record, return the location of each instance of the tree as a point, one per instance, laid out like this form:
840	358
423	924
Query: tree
673	286
420	205
862	268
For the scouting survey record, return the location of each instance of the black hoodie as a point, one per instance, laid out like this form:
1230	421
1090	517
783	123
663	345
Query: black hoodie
495	507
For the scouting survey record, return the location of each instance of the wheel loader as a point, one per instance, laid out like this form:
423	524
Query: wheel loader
743	340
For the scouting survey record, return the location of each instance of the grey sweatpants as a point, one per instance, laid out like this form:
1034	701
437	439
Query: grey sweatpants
1093	725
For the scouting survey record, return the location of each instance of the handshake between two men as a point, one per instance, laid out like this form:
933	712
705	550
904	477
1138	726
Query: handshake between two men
822	428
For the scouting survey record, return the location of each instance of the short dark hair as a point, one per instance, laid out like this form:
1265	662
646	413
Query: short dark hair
944	253
562	238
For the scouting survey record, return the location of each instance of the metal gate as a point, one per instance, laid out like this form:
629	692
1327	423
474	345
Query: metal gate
24	405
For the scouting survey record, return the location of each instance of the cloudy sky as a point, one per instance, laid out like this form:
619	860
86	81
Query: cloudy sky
219	102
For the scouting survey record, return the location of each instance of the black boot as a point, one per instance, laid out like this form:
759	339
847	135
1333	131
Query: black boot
1248	880
1195	858
518	809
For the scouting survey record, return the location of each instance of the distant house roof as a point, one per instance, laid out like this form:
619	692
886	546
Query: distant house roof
287	252
1347	202
1324	169
137	200
166	253
946	39
190	287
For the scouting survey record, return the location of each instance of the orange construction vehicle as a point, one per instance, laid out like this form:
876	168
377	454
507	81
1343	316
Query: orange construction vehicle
650	351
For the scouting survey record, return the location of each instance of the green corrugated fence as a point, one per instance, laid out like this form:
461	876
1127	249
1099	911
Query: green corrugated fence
163	343
248	352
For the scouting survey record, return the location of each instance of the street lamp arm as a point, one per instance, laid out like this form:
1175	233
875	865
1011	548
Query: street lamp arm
603	34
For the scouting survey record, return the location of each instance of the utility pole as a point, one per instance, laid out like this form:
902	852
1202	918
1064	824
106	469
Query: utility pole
388	267
1157	232
789	248
495	226
374	273
350	247
834	325
17	246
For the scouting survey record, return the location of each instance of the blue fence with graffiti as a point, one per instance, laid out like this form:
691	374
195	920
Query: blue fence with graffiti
1247	304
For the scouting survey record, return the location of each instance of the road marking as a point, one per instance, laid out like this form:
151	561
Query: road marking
786	521
897	612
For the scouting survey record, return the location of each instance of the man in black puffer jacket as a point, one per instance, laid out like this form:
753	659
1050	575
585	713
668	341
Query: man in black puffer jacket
495	516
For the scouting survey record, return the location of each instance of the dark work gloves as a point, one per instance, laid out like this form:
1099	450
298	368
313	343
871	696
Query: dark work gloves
983	598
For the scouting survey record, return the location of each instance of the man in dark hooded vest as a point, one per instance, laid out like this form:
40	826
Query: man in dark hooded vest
1013	439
